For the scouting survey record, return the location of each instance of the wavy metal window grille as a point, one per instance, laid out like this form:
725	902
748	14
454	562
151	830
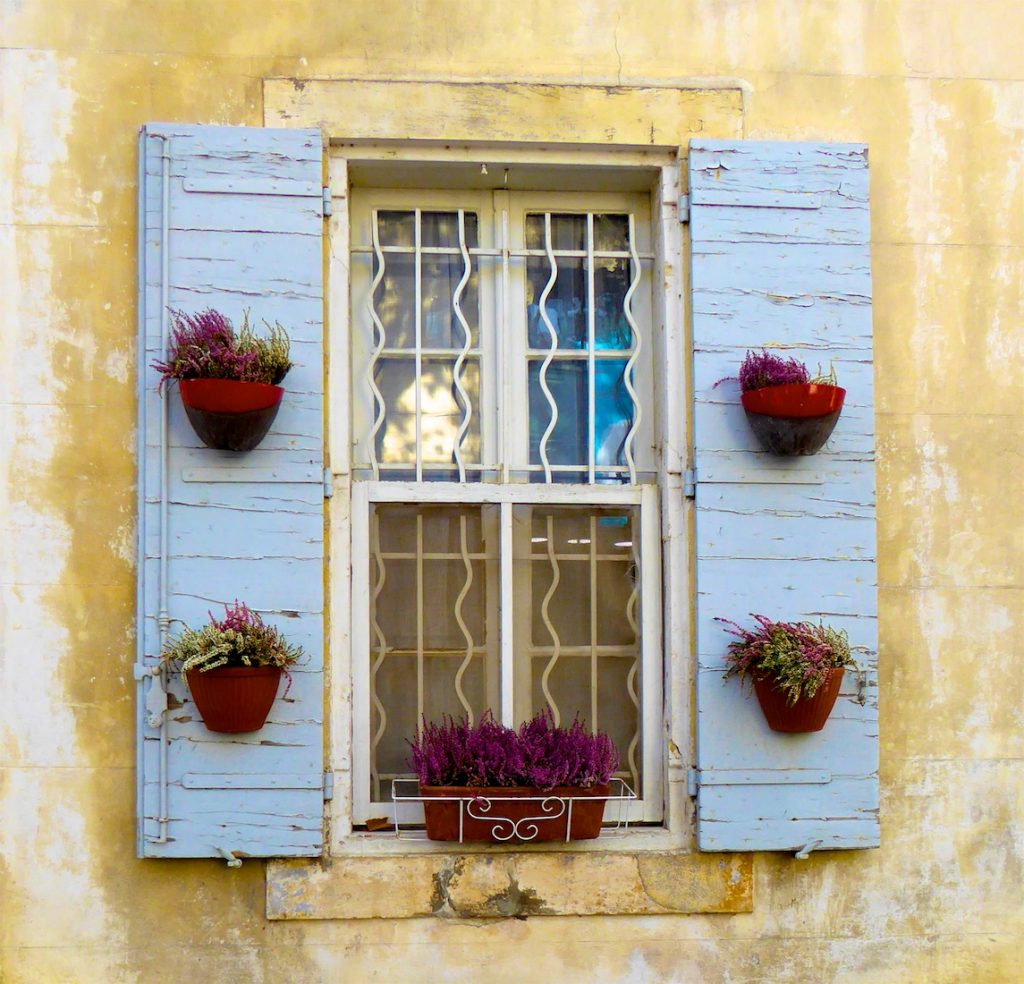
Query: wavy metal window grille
428	339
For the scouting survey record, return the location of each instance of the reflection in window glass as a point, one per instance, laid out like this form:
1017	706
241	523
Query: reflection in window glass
441	411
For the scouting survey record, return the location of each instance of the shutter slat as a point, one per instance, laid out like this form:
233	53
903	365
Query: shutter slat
245	232
780	256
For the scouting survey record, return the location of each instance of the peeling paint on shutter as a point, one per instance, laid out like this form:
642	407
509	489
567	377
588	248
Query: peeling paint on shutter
244	230
780	256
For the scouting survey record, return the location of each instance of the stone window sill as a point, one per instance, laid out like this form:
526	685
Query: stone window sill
509	884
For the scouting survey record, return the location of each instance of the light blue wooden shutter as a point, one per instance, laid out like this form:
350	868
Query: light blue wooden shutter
780	256
243	229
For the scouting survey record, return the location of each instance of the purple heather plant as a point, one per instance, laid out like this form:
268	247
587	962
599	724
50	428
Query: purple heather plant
762	369
796	656
206	346
539	754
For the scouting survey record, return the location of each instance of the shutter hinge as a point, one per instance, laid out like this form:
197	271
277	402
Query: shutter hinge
327	202
691	782
690	483
328	483
328	786
684	208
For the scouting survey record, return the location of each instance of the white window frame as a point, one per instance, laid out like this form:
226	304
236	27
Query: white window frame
666	741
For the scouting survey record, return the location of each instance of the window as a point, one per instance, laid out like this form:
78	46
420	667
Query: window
506	519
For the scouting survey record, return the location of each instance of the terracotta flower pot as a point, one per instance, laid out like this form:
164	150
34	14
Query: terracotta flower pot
233	699
797	418
805	715
504	819
228	414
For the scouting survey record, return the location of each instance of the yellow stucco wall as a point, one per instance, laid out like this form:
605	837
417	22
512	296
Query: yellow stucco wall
934	86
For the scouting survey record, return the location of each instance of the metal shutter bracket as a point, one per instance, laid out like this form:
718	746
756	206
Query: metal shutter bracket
156	696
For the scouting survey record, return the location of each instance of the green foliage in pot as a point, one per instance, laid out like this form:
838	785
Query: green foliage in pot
795	656
241	638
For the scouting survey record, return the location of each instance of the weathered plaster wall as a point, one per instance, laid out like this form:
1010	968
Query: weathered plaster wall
936	87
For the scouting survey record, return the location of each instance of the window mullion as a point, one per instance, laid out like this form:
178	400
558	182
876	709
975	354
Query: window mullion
419	620
591	368
594	722
507	637
651	649
504	405
418	313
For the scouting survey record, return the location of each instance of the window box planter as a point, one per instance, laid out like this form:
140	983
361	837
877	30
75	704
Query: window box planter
483	781
229	414
513	813
808	714
234	699
794	418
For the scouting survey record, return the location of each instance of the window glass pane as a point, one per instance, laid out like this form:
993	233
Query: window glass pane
396	228
567	231
611	281
567	443
566	304
441	411
395	296
440	278
394	300
433	624
442	229
611	232
577	617
613	412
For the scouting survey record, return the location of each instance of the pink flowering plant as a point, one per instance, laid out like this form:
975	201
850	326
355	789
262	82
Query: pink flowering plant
207	346
240	638
762	369
795	656
539	754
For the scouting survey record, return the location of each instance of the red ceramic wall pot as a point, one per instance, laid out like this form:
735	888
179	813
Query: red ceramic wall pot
809	714
797	418
234	699
230	415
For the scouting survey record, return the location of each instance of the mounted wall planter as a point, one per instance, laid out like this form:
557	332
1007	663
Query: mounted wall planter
228	379
234	699
794	418
808	714
796	669
233	667
228	414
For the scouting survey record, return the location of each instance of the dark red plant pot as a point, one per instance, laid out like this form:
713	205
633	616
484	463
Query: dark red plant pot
498	821
228	414
797	418
805	715
233	699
